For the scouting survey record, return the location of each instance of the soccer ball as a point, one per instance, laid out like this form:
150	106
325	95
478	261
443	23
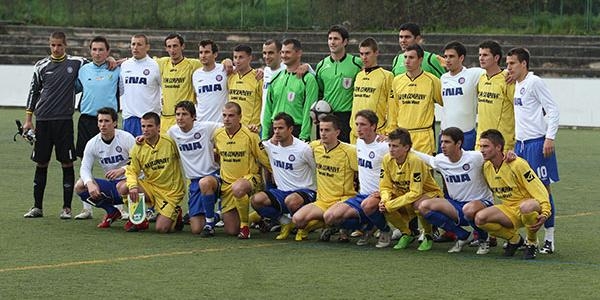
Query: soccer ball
319	109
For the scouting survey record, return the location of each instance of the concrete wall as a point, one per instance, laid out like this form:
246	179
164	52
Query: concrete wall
578	99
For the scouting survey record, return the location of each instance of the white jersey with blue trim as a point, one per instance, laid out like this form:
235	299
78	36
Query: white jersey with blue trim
459	93
293	166
536	112
268	74
196	148
139	86
464	179
370	157
110	156
211	93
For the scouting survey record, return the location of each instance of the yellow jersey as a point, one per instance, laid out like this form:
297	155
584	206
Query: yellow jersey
336	170
176	82
371	91
160	166
514	182
403	184
495	108
247	91
412	101
239	154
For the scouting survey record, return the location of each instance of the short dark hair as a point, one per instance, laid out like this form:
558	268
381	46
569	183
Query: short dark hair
368	114
460	49
416	47
412	27
289	121
402	135
152	116
100	39
214	48
243	48
455	134
494	136
143	36
331	118
522	54
109	111
235	105
59	35
295	42
274	41
187	105
175	35
341	30
494	47
369	42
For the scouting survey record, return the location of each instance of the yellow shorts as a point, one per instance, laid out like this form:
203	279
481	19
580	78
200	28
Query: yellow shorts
513	213
423	140
166	122
163	205
325	205
227	199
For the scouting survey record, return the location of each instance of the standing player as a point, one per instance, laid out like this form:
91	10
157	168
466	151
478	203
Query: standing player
371	88
524	198
349	214
52	100
194	139
100	89
162	183
176	73
210	84
495	109
468	192
412	101
410	34
139	85
271	53
290	94
111	148
536	124
335	76
293	167
337	165
244	88
406	181
459	93
240	152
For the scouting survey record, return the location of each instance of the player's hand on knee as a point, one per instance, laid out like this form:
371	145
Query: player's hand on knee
541	219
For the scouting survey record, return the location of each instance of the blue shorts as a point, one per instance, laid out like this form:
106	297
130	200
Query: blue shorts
277	197
533	152
195	203
458	205
133	125
109	187
470	137
355	202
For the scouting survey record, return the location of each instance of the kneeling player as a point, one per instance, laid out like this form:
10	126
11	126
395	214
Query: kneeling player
406	182
349	214
293	171
336	164
524	198
194	140
468	192
111	149
163	183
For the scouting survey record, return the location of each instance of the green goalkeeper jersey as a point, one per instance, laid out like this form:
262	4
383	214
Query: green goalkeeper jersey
432	63
336	81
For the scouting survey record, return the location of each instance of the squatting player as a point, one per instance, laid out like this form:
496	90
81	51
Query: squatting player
524	198
536	124
194	139
111	148
162	183
337	165
293	167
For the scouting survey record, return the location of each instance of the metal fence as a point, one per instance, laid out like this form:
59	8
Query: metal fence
524	16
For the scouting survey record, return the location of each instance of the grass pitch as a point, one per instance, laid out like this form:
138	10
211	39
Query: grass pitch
69	259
